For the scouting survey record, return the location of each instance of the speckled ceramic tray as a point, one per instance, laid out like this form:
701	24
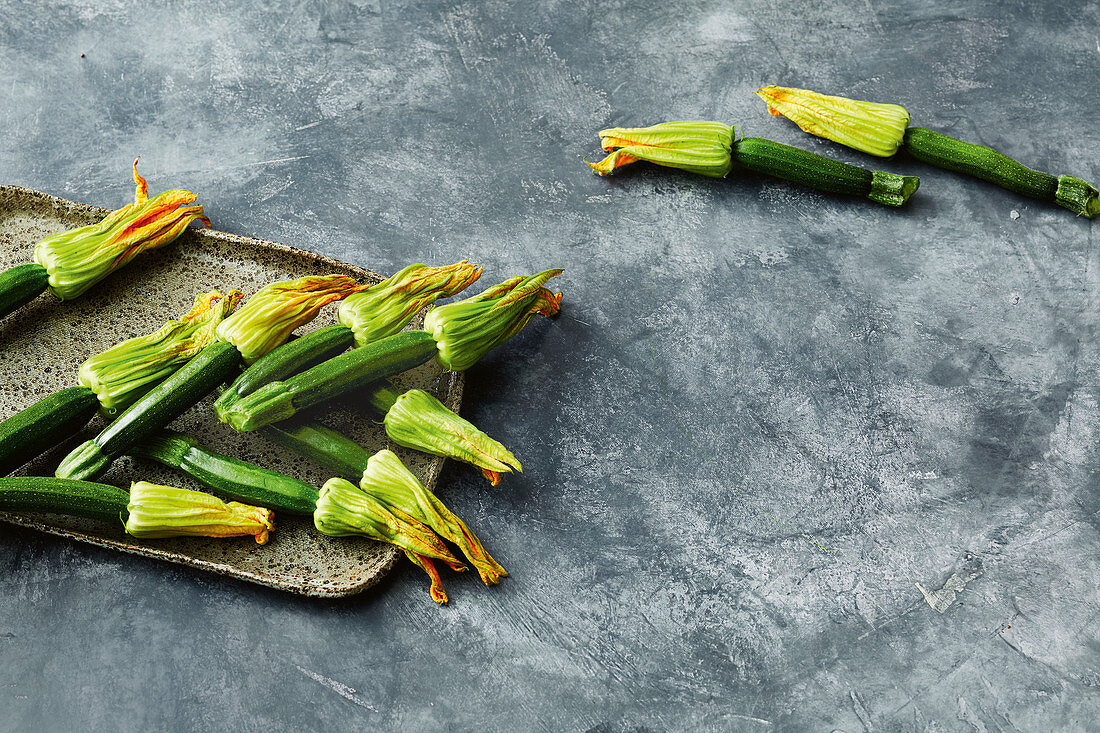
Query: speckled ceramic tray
42	344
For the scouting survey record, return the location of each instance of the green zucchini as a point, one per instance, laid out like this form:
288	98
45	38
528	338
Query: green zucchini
979	161
227	476
325	447
46	423
289	359
163	404
350	370
985	163
20	285
63	496
825	174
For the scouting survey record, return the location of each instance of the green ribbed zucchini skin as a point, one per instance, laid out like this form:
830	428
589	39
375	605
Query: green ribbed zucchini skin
325	447
63	496
979	161
348	371
292	357
228	476
160	406
51	420
800	166
20	285
359	367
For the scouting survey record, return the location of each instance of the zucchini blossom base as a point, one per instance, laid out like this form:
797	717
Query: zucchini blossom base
468	329
418	420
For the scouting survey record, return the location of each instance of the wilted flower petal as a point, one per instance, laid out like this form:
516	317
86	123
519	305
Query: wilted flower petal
164	511
699	147
127	370
344	510
465	331
79	258
267	319
872	127
387	480
420	421
385	308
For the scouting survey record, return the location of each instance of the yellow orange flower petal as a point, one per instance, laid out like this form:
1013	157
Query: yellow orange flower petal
872	127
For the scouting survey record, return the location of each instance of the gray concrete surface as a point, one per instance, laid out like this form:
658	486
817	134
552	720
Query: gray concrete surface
794	462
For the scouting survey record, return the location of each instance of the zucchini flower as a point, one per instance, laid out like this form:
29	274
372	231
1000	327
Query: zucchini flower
343	510
164	511
465	331
387	480
269	316
128	369
872	127
79	258
385	308
881	129
418	420
699	147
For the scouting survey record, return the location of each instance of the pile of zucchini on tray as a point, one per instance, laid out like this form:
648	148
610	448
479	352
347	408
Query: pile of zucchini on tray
265	377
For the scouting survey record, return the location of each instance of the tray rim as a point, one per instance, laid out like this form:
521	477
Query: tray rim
453	387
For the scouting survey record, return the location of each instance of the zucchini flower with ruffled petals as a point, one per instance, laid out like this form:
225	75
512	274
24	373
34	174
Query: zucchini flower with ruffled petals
164	511
699	147
269	316
387	480
385	308
124	372
418	420
465	331
344	510
872	127
79	258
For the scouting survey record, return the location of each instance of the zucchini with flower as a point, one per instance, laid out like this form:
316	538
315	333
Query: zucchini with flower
147	511
458	334
882	129
387	488
414	419
390	505
112	380
70	262
365	316
711	149
263	323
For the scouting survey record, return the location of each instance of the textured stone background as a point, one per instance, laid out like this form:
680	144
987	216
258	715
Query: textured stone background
793	461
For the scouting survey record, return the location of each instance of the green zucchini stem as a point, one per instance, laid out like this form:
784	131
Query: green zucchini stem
322	445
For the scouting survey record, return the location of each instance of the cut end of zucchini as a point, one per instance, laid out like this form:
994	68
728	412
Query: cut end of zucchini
1078	196
270	403
891	189
84	463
